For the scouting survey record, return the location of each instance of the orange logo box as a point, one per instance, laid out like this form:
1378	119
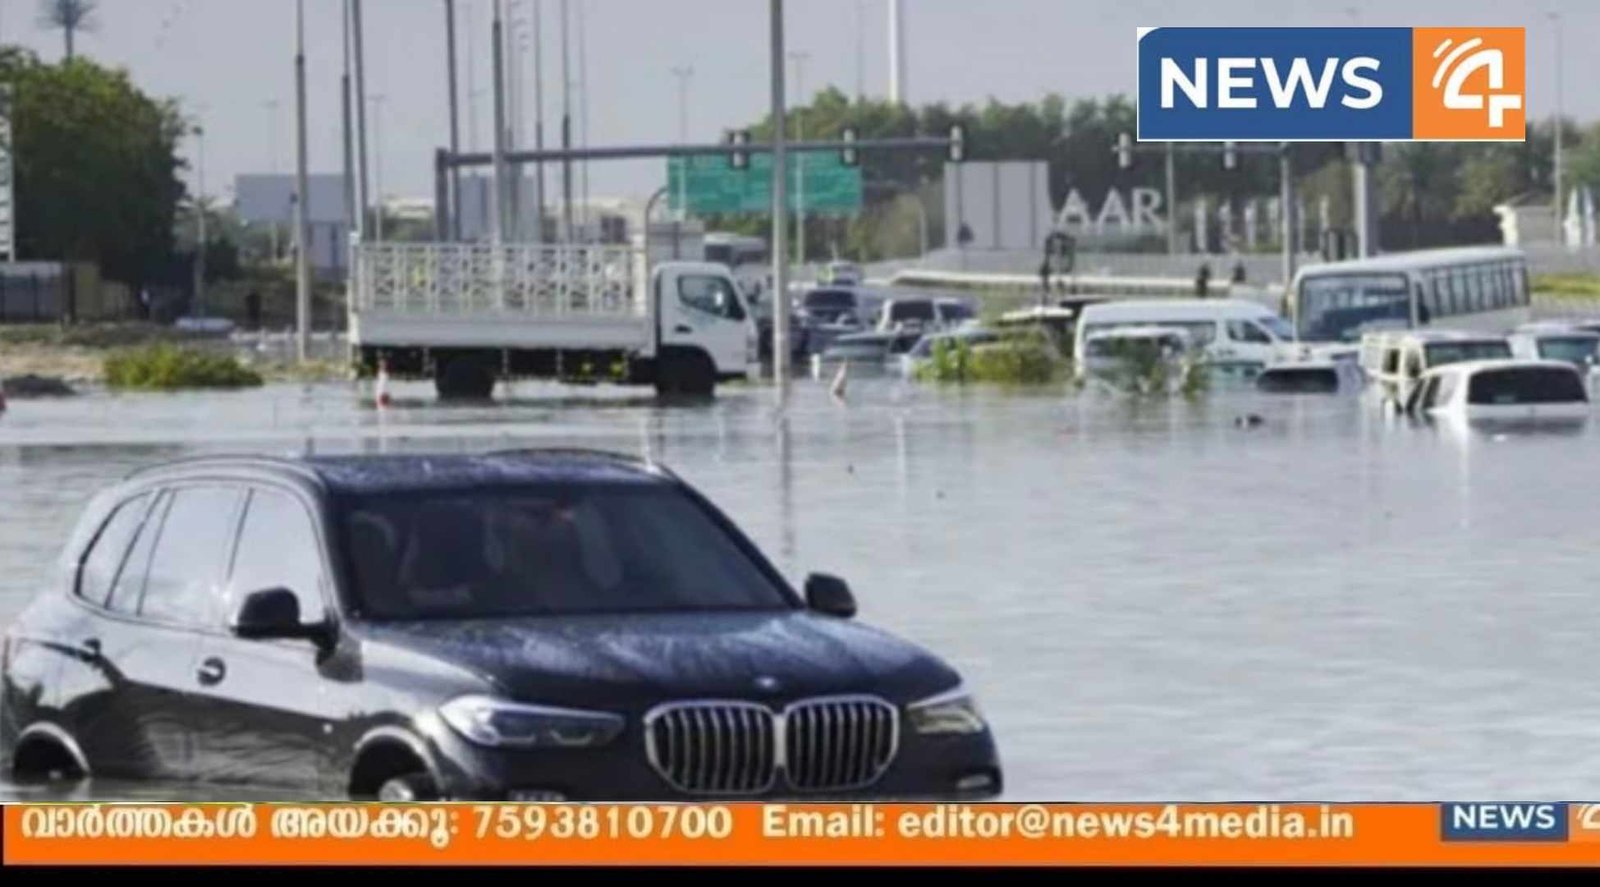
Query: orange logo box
1469	84
1583	823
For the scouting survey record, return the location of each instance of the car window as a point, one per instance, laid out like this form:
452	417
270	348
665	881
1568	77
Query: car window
127	588
1243	331
190	556
547	549
1391	361
1413	364
110	549
1526	385
711	294
278	548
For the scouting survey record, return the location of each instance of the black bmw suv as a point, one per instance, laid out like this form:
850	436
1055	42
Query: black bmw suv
538	625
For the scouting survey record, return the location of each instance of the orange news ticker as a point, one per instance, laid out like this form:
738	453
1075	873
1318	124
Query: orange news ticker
1400	834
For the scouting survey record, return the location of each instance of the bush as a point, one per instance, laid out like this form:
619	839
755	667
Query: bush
1027	360
1587	285
169	368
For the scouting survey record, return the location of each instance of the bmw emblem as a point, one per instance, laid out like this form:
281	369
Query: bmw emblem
767	683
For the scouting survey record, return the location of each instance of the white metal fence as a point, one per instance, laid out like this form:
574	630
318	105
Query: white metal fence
465	278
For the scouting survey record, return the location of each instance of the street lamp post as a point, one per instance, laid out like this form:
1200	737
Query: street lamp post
301	212
780	208
200	222
1556	178
377	101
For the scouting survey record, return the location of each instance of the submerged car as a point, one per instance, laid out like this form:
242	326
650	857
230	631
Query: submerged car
538	625
1502	390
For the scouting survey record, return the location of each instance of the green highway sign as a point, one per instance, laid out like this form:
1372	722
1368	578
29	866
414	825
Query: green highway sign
711	184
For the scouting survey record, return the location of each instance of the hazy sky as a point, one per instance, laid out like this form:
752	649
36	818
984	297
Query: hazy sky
225	60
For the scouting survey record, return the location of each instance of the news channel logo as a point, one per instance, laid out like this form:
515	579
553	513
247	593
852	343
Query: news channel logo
1332	84
1520	822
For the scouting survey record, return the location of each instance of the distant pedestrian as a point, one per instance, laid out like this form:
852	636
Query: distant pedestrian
252	309
1202	281
144	302
1238	271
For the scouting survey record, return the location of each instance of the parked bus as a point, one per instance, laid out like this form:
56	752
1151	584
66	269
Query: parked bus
1471	288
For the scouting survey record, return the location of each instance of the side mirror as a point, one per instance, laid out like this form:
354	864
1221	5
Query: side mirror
275	613
830	596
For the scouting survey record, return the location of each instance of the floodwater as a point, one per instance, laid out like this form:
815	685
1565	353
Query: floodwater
1151	601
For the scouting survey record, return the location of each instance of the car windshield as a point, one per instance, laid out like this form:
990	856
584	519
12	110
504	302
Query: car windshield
543	550
1300	380
1277	326
1340	307
1573	349
1526	385
830	300
915	310
1443	353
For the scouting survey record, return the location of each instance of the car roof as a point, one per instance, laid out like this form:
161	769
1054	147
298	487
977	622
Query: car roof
1414	260
1173	308
373	473
1144	330
1469	367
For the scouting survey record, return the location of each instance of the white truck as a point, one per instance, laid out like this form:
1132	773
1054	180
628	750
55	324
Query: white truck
467	315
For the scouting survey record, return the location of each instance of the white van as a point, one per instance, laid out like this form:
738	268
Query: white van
1223	330
1397	360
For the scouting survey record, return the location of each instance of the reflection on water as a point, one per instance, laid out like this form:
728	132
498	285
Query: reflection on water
1152	601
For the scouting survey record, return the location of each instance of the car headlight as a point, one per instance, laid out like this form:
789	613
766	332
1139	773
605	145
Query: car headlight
951	712
503	724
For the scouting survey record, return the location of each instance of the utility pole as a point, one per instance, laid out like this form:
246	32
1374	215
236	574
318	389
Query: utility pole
455	121
513	99
200	222
683	73
302	259
861	51
363	193
780	210
566	127
799	59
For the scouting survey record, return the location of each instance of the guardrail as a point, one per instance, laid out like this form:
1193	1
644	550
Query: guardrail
467	278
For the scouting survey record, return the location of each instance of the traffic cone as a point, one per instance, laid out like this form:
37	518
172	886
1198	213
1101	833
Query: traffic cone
382	392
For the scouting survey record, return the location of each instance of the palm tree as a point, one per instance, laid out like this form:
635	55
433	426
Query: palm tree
71	16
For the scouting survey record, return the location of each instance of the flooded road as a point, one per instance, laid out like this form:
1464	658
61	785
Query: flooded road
1152	602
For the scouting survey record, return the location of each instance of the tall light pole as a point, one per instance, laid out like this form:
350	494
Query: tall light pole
513	118
363	192
538	111
455	120
502	215
683	73
799	59
302	224
780	209
861	51
897	52
275	139
200	222
377	101
347	133
583	111
566	126
1557	177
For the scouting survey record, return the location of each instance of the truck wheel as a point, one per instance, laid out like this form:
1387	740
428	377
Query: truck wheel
686	374
464	378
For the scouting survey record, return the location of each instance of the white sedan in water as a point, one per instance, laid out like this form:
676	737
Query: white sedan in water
1501	390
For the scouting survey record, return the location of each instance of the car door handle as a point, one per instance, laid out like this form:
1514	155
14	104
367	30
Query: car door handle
90	650
683	329
211	671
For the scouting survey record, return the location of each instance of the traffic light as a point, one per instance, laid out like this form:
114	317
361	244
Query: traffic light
1230	156
739	158
848	155
958	143
1124	151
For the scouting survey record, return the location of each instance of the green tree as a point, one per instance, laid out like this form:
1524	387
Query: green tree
96	166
